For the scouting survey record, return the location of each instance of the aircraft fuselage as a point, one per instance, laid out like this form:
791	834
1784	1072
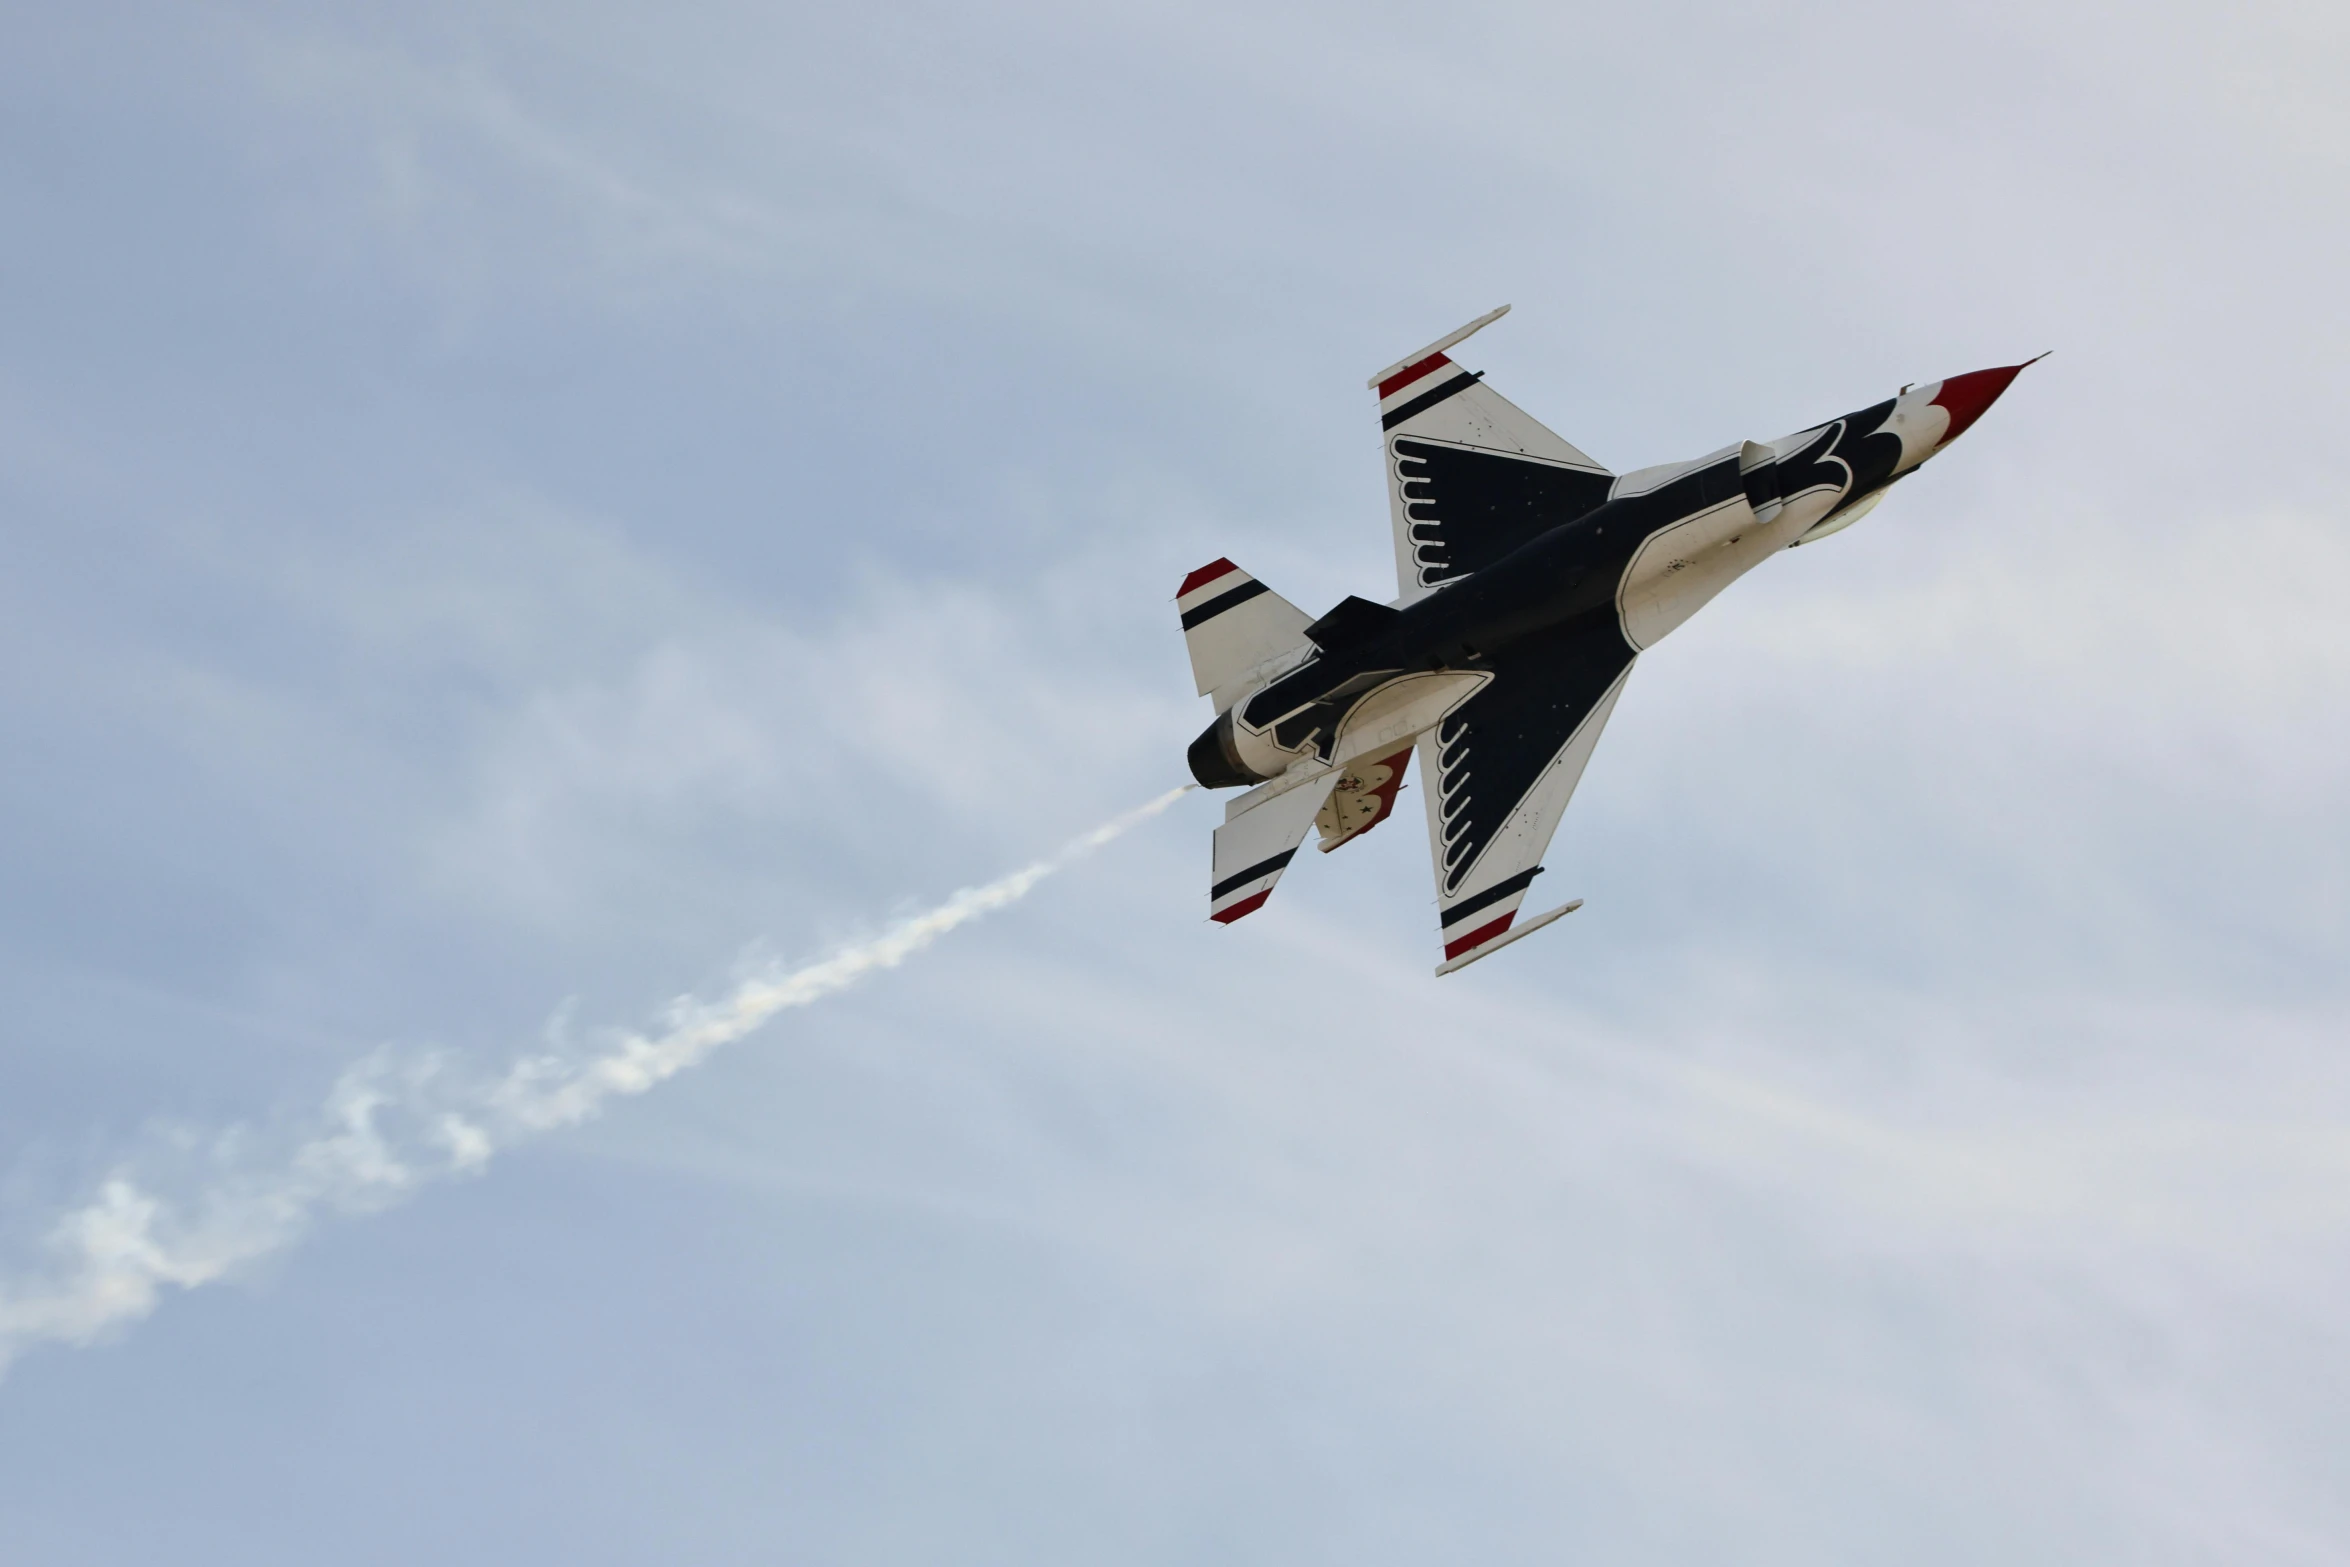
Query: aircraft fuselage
1583	569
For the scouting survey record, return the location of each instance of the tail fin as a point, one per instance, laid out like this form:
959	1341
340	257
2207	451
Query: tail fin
1232	623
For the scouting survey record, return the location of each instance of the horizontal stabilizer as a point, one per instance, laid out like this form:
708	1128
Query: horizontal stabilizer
1232	623
1259	838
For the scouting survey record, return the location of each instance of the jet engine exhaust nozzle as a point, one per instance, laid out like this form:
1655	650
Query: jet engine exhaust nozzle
1215	759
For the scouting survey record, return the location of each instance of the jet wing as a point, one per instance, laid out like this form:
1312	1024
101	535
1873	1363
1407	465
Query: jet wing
1499	773
1470	475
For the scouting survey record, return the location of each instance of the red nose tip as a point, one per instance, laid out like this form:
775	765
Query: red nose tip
1966	396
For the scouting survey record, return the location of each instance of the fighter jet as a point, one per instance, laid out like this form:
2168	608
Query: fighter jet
1530	581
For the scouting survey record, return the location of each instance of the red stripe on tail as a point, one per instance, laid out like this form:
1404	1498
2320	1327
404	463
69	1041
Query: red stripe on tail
1249	905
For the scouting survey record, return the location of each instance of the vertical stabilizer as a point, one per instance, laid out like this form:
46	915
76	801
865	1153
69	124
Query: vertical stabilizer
1231	624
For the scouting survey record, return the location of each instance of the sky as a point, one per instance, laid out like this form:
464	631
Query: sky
514	514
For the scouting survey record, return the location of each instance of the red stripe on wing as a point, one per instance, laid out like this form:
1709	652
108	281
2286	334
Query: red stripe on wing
1410	373
1478	937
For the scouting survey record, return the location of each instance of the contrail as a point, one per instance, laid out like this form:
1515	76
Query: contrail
395	1122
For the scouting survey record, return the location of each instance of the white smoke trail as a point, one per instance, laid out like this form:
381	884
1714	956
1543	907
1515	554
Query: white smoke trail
392	1124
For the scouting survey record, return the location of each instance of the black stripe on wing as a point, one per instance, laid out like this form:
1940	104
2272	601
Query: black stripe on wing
1491	753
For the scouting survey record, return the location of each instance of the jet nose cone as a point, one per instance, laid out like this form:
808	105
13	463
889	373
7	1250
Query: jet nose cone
1964	397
